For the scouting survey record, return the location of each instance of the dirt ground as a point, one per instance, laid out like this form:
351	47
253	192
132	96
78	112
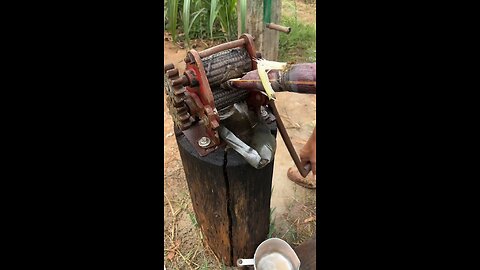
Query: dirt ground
304	12
295	207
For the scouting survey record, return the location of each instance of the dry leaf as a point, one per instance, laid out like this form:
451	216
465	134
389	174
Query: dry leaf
309	219
170	255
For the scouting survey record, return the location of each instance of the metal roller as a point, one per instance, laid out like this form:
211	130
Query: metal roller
226	65
227	97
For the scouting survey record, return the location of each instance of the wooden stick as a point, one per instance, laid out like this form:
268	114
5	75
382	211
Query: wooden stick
280	28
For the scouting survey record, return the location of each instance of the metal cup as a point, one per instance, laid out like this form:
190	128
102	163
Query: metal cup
273	253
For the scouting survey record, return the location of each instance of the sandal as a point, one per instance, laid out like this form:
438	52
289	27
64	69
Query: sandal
308	182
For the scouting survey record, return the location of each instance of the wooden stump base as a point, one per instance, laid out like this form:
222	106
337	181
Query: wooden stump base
231	199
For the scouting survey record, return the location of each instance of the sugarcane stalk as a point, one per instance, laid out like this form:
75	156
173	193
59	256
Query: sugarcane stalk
299	78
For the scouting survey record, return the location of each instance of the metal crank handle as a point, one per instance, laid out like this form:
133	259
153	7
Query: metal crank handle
288	143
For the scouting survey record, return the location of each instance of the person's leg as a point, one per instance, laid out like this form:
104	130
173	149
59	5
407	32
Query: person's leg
307	253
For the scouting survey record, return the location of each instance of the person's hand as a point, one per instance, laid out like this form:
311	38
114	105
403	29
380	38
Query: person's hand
308	154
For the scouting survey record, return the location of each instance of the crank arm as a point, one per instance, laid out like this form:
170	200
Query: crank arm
281	127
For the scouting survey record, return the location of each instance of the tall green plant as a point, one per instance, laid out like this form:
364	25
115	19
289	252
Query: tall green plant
228	19
172	17
213	15
202	19
243	15
186	21
187	25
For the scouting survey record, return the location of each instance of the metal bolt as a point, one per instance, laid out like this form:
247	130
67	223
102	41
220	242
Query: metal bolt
263	162
204	142
263	112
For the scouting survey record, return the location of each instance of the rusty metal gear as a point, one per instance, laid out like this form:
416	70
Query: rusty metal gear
176	96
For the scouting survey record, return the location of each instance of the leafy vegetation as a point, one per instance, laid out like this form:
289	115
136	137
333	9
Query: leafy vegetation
300	45
217	20
201	19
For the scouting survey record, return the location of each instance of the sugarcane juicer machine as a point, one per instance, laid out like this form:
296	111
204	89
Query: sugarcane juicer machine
201	97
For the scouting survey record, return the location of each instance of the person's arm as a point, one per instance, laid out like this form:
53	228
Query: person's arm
308	154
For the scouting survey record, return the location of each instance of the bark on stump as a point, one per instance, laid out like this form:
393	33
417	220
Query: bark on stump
231	199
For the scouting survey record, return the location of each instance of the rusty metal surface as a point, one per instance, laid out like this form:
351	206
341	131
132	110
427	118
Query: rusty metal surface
222	47
176	99
209	119
167	67
250	46
205	93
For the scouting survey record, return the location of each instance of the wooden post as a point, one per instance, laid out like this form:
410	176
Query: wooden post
231	199
266	40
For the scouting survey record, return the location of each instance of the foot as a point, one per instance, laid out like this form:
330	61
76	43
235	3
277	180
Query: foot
308	182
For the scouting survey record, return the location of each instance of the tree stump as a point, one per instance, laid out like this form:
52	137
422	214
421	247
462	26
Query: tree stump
231	199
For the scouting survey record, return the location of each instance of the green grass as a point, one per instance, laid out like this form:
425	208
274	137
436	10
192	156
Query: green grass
271	228
193	219
204	266
300	45
291	236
